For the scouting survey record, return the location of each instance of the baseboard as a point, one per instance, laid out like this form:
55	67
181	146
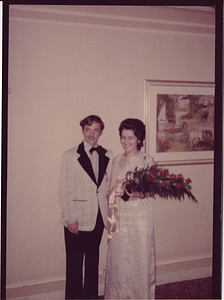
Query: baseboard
184	269
183	275
166	272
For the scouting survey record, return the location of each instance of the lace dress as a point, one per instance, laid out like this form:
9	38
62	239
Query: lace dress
130	266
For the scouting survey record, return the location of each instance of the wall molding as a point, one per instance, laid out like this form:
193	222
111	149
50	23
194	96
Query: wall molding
35	282
184	259
58	292
182	275
114	19
62	11
191	267
199	8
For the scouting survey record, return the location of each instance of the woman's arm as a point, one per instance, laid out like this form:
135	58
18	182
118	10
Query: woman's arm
113	179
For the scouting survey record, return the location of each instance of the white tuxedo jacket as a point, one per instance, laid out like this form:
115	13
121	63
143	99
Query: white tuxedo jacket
80	195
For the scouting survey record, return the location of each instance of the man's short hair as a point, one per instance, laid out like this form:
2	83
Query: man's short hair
89	121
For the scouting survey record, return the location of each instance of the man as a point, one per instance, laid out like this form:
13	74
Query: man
83	187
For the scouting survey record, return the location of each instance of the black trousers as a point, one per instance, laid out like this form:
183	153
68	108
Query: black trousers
85	243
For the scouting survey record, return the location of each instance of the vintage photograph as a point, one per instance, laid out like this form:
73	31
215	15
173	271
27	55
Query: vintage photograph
111	182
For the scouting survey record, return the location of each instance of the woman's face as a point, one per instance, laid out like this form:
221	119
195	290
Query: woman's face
129	141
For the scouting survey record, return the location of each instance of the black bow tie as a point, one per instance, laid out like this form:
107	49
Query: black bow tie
97	149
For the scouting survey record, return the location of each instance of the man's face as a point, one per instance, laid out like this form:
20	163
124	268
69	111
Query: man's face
92	133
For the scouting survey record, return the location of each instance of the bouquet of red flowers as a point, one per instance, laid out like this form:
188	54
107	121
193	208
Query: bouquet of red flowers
154	181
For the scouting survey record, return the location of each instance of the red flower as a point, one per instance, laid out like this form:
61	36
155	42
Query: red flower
149	178
180	176
164	183
152	172
172	176
188	180
178	185
166	172
162	173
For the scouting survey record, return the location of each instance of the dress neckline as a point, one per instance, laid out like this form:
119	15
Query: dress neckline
133	158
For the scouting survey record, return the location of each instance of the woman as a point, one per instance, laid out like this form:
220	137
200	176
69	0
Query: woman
130	267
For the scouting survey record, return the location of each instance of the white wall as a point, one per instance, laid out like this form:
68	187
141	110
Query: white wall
60	71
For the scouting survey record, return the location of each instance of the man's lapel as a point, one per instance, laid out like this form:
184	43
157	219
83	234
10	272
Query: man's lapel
85	162
103	162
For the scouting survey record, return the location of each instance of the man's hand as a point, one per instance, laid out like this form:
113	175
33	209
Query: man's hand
74	227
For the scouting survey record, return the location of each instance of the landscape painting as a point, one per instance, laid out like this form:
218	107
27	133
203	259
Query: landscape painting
179	117
185	123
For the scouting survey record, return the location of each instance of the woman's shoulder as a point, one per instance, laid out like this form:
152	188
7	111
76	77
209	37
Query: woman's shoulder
118	158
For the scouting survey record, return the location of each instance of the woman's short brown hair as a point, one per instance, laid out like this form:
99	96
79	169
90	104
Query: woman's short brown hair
138	128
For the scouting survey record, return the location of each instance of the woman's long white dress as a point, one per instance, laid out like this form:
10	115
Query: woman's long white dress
130	266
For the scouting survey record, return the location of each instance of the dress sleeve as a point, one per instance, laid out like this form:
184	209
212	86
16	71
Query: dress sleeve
113	177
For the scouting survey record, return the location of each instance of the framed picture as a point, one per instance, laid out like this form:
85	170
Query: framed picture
180	121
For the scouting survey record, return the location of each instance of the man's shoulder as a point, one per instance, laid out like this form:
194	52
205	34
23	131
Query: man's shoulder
72	150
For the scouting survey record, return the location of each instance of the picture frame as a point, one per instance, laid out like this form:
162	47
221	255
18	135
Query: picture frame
179	118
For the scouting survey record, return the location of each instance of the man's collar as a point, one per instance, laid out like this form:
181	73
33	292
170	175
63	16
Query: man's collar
87	147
